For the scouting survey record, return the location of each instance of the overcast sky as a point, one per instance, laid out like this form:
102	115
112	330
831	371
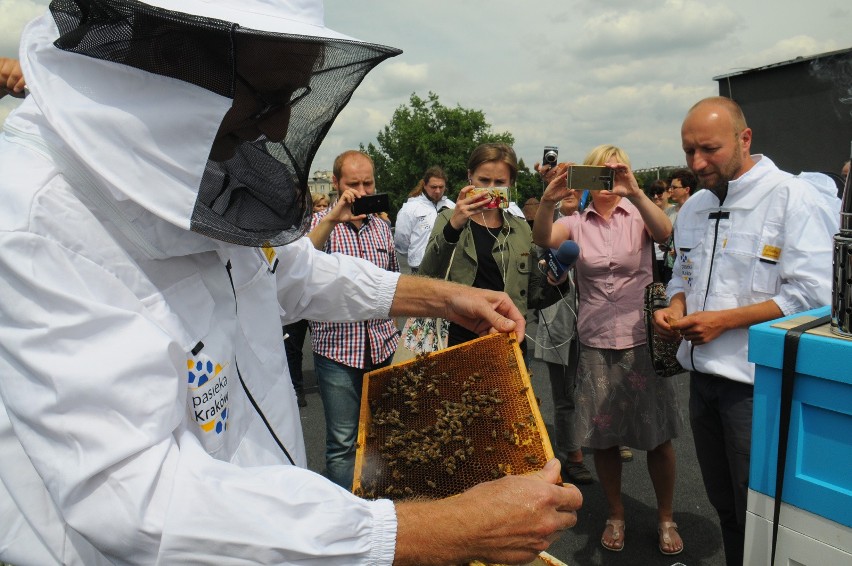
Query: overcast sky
568	73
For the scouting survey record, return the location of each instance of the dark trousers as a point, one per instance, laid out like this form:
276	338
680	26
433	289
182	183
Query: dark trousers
720	413
563	382
293	345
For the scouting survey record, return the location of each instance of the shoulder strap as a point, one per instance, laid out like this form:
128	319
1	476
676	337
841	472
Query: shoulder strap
439	323
788	376
655	270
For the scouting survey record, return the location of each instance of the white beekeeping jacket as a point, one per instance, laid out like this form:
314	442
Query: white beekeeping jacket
414	226
771	239
139	359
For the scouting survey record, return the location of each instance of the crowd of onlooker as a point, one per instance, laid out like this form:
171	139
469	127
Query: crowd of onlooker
606	395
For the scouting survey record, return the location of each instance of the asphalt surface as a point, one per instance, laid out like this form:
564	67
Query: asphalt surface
580	546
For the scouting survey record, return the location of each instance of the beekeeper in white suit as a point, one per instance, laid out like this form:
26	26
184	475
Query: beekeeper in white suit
154	198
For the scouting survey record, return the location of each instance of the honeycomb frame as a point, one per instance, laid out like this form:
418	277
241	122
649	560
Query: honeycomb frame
439	424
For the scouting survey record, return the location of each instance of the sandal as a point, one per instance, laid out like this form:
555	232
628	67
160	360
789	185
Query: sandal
626	454
617	526
665	529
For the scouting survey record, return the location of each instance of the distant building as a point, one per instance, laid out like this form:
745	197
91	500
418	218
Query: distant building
800	110
657	172
320	184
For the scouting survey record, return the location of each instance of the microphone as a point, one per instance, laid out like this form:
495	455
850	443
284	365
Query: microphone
562	259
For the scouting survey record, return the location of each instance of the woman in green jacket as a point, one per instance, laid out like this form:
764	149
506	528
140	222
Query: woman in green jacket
479	243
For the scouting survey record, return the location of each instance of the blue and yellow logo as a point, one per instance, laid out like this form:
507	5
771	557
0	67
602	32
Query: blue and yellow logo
208	393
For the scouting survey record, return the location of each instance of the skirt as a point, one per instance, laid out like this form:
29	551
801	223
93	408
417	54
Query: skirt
621	401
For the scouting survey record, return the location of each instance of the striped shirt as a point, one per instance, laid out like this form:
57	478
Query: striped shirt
346	342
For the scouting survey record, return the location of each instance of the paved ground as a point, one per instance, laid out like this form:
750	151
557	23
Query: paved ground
581	545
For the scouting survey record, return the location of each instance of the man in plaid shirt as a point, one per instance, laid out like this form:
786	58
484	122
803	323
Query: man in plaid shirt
344	351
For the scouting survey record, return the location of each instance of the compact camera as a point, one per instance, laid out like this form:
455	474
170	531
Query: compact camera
550	156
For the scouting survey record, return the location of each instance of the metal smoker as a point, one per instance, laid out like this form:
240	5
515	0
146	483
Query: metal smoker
841	289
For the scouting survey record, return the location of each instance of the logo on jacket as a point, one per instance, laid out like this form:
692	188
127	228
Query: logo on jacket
208	393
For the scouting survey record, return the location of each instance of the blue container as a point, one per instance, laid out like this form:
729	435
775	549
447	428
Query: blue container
818	476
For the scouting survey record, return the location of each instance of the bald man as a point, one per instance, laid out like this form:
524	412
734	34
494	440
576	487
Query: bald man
756	245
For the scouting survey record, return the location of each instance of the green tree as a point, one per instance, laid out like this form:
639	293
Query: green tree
529	184
424	133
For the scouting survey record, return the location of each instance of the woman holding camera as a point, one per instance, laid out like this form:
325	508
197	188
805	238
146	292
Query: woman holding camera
620	400
478	243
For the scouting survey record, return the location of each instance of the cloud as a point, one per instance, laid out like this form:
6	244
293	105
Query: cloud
573	73
395	79
407	73
637	32
643	117
840	12
354	121
786	50
357	124
372	106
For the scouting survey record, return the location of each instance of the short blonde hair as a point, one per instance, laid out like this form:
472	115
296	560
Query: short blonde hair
601	154
318	198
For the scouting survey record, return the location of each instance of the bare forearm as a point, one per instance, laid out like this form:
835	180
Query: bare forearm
656	221
678	304
452	531
478	310
429	533
702	327
556	190
543	224
419	296
743	317
319	235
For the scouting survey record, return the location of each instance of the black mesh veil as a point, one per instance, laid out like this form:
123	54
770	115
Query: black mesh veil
258	194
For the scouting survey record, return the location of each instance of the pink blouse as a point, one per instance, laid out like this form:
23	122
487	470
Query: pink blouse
612	271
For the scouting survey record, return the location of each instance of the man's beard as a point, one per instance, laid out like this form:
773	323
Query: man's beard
728	172
731	169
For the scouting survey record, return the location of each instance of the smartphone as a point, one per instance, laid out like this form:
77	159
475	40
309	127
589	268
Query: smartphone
590	178
370	204
499	196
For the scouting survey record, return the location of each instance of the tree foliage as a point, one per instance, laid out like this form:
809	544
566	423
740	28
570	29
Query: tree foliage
529	184
424	133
